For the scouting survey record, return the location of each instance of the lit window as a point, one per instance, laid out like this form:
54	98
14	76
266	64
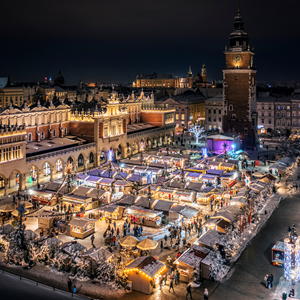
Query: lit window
177	116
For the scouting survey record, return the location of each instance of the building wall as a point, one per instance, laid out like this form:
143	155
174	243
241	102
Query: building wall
153	118
82	129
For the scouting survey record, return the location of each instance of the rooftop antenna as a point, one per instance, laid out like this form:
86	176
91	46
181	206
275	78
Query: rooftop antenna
238	7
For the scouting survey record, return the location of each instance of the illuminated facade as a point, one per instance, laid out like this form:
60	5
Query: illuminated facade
40	141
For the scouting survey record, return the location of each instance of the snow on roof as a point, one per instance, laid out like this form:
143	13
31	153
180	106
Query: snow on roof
98	254
148	264
79	222
186	211
193	256
109	208
209	239
72	247
163	205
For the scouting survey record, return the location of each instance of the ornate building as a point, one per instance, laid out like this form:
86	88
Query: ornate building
38	142
156	81
240	86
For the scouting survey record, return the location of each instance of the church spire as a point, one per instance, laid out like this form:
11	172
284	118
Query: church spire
190	73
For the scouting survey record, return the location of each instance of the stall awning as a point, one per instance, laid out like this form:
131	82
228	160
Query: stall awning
79	222
121	183
96	172
106	181
209	177
109	208
82	176
122	175
93	179
136	210
135	178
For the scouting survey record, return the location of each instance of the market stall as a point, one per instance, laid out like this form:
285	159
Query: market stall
228	179
144	272
215	165
193	176
209	179
79	201
189	261
181	213
106	183
46	219
92	181
217	224
113	212
81	228
143	216
229	167
205	195
184	196
210	239
43	196
167	194
122	186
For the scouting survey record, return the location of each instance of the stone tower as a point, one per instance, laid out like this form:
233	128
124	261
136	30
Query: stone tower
190	78
239	93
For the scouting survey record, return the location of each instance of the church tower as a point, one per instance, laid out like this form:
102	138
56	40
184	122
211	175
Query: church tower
239	88
190	78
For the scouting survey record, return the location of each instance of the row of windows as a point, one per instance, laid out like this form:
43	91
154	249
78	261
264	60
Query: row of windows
263	121
11	99
284	107
215	119
263	114
215	111
182	117
10	153
43	134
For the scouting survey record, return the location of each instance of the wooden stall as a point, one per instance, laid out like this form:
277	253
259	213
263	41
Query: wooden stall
189	261
46	219
143	216
43	196
81	228
113	212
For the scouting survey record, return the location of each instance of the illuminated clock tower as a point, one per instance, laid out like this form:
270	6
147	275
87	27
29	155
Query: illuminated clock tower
239	89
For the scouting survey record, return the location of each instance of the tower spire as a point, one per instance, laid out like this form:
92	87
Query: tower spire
238	7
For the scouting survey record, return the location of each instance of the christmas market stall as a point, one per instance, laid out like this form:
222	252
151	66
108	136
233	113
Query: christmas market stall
112	212
211	239
79	202
162	193
184	196
101	196
215	165
193	176
106	183
71	248
205	195
43	196
81	227
98	254
217	224
209	179
181	213
144	273
193	186
189	261
92	181
128	200
121	186
143	216
46	218
144	202
229	167
228	179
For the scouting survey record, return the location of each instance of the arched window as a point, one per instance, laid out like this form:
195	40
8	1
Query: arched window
91	158
54	133
58	166
65	130
46	169
80	160
29	137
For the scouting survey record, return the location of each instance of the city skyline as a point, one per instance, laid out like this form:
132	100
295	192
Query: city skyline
110	43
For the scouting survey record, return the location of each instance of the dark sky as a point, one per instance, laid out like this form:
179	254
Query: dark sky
113	40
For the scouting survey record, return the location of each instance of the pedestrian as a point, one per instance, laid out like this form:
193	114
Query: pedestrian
189	291
92	239
205	294
266	280
177	276
166	238
269	282
286	182
56	233
172	284
74	289
115	224
70	285
161	245
165	279
118	232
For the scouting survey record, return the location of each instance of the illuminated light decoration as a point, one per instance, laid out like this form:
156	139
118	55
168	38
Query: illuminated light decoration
247	181
297	259
197	131
110	155
204	152
288	249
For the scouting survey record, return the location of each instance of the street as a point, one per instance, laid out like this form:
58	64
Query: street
11	287
255	262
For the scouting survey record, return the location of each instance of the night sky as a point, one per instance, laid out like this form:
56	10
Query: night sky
113	41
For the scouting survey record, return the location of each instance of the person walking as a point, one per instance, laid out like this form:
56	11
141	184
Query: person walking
189	291
74	289
70	285
205	294
118	232
161	245
115	224
92	240
266	280
172	284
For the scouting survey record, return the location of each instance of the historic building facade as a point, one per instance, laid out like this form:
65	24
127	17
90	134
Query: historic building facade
40	141
240	86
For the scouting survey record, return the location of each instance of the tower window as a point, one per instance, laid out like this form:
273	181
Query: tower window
29	137
245	130
237	43
230	108
262	121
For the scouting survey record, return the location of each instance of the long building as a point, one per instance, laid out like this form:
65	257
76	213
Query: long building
40	141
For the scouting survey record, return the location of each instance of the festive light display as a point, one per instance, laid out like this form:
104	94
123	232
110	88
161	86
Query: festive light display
197	130
288	249
292	258
110	155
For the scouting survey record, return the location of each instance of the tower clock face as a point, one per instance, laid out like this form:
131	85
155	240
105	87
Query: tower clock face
237	58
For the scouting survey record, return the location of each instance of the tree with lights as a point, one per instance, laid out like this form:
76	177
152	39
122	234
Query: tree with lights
197	131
